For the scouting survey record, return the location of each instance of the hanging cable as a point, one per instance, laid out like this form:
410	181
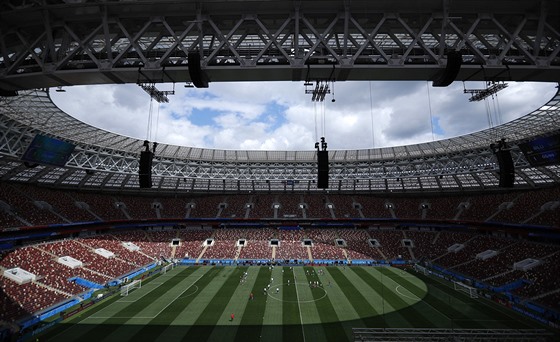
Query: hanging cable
149	130
488	116
498	110
495	111
323	119
315	108
157	122
430	108
371	116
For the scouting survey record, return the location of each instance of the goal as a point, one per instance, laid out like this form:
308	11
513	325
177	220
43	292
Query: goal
125	289
471	291
421	269
167	268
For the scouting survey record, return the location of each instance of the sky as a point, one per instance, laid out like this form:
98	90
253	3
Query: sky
280	116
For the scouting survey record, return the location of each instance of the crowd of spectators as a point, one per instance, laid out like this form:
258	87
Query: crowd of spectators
154	243
236	206
527	204
391	243
289	249
508	254
407	207
30	296
113	267
543	279
206	206
23	206
257	245
483	207
225	245
11	308
262	206
138	207
62	206
343	206
221	249
324	245
45	267
9	220
172	207
61	202
104	206
289	206
472	247
357	245
429	245
373	206
316	206
191	242
53	285
443	208
111	243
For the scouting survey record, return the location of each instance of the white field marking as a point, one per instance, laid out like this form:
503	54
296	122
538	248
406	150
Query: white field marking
190	294
291	301
171	302
299	309
423	301
404	295
484	301
132	301
174	299
123	317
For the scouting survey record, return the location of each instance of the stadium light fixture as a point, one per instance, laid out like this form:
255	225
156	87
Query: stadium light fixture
480	94
319	92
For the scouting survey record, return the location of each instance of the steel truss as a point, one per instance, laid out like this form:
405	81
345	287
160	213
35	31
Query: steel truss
104	159
60	43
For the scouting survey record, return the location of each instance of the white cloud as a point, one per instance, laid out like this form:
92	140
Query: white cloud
236	115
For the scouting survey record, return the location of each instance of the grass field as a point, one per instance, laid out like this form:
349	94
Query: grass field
195	304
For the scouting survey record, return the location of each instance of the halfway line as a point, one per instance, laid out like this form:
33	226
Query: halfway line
299	307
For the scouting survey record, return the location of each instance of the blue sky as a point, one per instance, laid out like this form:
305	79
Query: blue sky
280	116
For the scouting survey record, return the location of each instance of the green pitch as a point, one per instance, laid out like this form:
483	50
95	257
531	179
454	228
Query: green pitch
196	303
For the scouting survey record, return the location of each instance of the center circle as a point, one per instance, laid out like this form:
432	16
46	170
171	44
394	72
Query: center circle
272	293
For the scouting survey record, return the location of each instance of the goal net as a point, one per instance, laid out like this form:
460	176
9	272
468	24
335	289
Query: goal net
167	268
471	291
421	269
125	289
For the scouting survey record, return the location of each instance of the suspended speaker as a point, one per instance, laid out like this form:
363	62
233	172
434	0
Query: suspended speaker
507	171
454	61
322	169
8	93
145	169
198	76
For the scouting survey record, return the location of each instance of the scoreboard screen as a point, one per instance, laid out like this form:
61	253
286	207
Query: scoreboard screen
47	150
542	151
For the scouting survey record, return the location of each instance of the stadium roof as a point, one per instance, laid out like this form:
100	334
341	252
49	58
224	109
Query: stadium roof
107	160
48	43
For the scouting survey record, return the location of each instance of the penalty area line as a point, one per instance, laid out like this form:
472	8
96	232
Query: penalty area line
165	307
179	295
404	295
135	300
